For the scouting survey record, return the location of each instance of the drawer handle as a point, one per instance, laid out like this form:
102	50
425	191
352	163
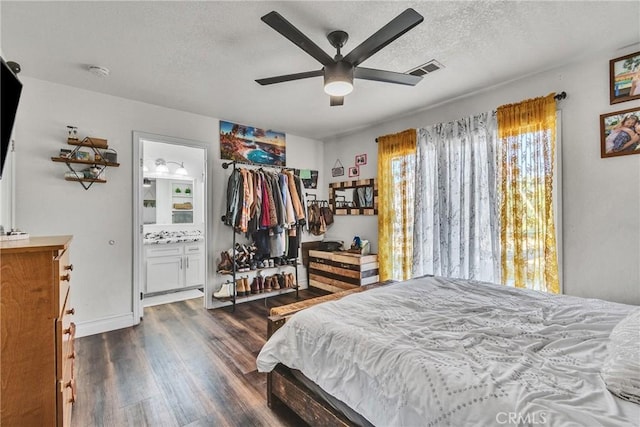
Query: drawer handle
71	330
69	267
71	312
66	278
72	385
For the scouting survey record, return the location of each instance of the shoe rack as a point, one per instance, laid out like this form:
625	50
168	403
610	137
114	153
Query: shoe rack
235	274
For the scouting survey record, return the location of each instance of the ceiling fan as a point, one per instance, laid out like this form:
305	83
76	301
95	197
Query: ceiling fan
340	71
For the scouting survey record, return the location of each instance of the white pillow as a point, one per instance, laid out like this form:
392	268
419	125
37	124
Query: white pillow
621	370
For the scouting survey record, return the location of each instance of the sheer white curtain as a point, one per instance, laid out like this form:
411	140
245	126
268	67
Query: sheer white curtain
456	223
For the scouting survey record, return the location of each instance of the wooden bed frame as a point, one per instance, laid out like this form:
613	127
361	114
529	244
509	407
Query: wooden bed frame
284	389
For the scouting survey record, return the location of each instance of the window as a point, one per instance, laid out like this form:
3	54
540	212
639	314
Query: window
527	139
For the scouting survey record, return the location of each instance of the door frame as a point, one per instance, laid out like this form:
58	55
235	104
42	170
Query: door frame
138	223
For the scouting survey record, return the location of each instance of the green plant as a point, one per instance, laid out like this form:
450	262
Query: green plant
187	191
178	190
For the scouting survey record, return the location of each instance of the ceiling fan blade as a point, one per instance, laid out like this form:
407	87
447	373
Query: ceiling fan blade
284	27
290	77
385	35
386	76
336	101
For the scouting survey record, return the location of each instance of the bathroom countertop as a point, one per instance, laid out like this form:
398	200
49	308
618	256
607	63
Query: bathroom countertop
166	237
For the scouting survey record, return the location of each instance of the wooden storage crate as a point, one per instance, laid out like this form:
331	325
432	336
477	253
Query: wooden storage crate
337	271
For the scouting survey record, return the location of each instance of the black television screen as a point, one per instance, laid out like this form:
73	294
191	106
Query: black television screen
10	89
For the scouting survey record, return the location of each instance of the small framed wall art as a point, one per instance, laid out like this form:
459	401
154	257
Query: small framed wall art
624	78
354	171
620	133
338	169
361	159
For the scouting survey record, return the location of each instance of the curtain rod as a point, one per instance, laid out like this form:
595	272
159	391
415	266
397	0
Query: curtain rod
558	97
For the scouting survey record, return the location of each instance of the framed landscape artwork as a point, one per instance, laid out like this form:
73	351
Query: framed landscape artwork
248	144
624	78
620	133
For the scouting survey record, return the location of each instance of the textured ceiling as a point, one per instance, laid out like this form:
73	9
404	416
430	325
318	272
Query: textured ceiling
203	57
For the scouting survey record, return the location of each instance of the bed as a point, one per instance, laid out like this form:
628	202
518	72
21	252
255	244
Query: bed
435	351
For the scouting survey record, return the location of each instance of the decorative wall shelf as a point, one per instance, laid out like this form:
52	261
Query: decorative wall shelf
99	159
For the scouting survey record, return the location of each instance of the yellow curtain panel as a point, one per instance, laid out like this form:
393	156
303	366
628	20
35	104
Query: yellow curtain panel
396	175
527	133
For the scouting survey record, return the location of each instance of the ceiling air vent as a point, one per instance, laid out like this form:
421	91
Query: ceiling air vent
427	68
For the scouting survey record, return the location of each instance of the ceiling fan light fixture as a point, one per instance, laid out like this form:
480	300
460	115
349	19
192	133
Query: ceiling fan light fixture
338	79
338	88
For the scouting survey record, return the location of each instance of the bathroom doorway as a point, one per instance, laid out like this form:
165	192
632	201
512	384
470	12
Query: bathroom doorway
170	205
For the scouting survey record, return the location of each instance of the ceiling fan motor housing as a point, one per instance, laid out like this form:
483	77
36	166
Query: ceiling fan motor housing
338	78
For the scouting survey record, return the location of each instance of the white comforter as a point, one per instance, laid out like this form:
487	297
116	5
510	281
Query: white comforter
435	351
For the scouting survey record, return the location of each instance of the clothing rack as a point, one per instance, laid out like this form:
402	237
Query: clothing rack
234	164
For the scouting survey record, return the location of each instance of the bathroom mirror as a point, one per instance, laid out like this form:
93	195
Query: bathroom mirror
169	201
354	197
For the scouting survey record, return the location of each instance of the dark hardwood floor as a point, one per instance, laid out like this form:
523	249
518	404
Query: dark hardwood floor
182	366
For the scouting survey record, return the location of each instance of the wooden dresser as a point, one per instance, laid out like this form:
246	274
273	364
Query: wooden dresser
37	378
337	271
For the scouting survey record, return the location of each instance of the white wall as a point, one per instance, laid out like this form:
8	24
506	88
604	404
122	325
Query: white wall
601	197
46	204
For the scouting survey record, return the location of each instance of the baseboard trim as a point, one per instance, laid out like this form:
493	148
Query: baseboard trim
105	324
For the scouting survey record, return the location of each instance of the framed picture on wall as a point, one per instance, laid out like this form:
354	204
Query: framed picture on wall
624	78
249	144
620	133
354	171
361	159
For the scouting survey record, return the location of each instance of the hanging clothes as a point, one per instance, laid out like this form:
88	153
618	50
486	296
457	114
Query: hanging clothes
234	203
267	206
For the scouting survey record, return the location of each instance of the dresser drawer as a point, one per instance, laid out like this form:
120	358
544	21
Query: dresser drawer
65	342
65	365
64	269
66	395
